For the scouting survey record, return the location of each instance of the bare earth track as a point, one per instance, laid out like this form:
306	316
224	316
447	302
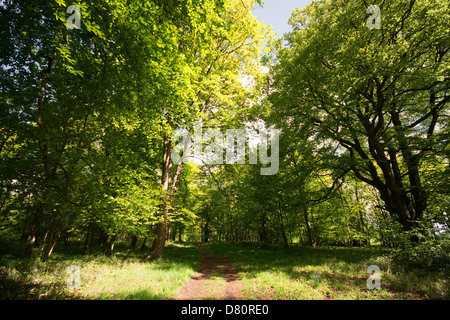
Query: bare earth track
216	279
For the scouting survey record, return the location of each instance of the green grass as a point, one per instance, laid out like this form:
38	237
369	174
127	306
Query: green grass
126	275
328	273
267	273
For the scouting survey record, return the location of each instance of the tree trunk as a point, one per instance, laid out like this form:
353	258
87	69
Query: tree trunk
31	239
263	231
405	203
157	249
169	233
312	242
283	232
89	236
110	246
51	237
133	242
143	243
206	232
180	234
102	238
170	187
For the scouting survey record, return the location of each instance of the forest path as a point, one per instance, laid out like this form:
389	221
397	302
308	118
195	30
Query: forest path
216	279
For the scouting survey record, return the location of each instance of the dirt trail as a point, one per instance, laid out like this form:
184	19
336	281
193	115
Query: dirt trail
216	279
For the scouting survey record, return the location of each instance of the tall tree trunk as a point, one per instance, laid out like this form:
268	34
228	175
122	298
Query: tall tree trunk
51	237
31	239
157	249
416	205
89	237
110	246
169	233
143	243
133	242
263	236
405	203
173	233
206	232
180	234
312	242
283	231
170	187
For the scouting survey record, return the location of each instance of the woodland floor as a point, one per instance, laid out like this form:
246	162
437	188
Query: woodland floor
216	279
218	271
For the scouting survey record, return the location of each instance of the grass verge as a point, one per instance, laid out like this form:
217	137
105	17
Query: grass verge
126	275
325	273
